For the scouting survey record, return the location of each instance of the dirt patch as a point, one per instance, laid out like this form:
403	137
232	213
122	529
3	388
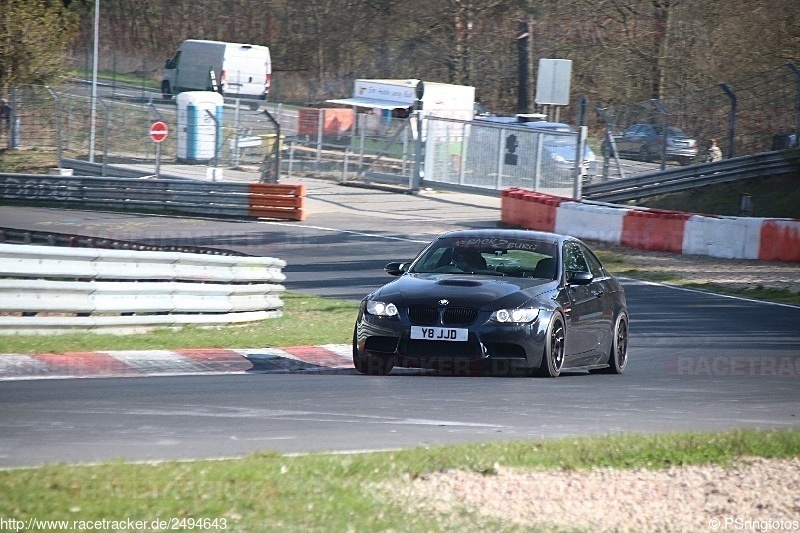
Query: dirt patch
754	494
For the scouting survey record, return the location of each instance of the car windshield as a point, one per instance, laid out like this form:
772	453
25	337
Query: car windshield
489	256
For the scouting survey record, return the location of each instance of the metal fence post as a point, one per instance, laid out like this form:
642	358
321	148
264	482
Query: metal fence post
612	145
106	130
501	154
69	121
796	73
664	124
320	119
217	145
58	122
732	126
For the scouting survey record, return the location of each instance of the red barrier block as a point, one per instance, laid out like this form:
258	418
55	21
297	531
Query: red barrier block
271	200
654	230
780	241
530	209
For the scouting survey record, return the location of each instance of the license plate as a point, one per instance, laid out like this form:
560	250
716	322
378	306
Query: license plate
439	334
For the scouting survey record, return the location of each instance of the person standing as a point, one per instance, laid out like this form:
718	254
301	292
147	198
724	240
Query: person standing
713	153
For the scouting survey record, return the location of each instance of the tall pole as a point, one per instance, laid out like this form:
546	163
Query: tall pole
523	72
93	111
732	126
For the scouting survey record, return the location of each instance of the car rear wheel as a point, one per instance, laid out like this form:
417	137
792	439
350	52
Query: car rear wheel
618	358
553	358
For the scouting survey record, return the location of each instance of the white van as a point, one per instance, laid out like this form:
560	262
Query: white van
239	70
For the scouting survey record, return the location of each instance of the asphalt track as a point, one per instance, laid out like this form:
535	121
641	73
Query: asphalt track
698	361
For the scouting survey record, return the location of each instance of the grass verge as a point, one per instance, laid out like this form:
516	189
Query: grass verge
617	262
324	492
307	320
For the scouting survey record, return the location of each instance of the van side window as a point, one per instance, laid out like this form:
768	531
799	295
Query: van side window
173	63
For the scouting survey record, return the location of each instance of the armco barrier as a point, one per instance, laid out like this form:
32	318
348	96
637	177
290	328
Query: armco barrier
53	289
653	229
212	199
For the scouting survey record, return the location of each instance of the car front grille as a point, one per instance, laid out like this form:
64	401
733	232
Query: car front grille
459	316
426	315
423	315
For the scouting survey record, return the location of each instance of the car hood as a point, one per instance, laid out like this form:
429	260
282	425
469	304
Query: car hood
485	292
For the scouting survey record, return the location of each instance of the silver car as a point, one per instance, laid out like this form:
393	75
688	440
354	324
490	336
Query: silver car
646	143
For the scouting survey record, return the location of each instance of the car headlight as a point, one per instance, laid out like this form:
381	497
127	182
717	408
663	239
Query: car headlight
515	316
381	309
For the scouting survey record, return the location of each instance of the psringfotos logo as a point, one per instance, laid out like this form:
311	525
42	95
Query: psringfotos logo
777	366
748	524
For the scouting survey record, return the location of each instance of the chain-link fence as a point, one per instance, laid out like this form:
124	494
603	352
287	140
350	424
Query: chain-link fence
43	118
337	142
748	116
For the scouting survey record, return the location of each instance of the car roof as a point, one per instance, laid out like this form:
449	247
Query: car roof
522	234
533	124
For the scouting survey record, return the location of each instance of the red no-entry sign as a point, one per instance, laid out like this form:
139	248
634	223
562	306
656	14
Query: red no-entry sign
158	131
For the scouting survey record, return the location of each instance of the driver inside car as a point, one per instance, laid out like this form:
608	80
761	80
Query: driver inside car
468	260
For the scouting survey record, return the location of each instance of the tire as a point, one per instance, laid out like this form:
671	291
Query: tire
371	366
553	357
166	90
684	161
618	357
644	155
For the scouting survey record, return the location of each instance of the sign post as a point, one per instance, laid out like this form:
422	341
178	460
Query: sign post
158	132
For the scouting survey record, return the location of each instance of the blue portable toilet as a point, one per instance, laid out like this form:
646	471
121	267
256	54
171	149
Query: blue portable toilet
199	135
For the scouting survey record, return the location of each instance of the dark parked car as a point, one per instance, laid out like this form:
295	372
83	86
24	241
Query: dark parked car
507	302
646	143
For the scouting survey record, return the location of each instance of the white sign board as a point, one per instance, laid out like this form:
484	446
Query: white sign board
552	82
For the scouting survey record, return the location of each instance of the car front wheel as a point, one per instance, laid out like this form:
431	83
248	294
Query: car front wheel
553	358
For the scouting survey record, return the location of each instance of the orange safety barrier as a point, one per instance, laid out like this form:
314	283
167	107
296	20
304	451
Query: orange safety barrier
654	230
529	209
271	200
780	241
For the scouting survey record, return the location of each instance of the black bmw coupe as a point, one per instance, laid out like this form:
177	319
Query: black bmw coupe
506	302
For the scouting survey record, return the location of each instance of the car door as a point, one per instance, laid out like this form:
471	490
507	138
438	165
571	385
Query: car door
602	287
626	144
585	316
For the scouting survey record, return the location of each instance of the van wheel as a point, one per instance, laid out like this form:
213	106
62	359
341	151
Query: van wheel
166	91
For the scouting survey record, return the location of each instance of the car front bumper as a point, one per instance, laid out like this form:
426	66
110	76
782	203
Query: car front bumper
493	347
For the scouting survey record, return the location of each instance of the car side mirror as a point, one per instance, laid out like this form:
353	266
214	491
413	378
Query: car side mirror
580	278
396	268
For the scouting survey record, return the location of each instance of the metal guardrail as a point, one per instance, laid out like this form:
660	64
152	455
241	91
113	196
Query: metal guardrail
691	177
215	199
55	289
85	168
49	238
